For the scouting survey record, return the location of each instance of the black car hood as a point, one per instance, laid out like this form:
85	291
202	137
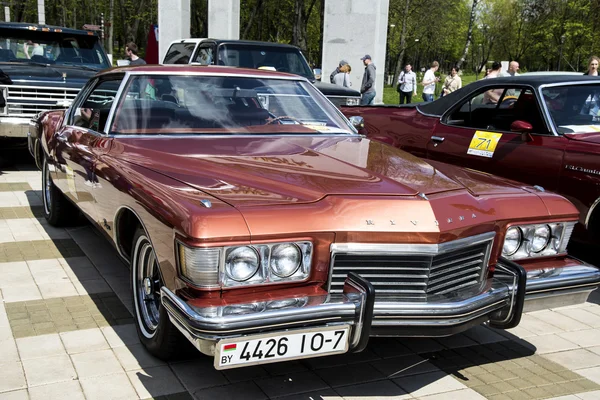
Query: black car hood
329	89
23	73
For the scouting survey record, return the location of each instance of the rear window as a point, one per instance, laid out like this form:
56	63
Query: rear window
273	58
179	53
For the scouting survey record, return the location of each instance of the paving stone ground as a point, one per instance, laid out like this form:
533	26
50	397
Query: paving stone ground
67	332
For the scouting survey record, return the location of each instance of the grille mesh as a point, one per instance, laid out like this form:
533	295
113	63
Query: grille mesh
27	101
414	276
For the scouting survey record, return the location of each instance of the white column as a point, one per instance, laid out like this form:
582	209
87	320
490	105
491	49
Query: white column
224	19
353	28
41	12
7	14
173	23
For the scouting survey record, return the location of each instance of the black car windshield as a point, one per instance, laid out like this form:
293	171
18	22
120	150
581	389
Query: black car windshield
58	48
199	104
274	58
574	108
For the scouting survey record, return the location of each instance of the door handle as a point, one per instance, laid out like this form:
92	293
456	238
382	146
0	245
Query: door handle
437	140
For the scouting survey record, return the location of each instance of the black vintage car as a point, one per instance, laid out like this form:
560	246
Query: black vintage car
253	54
48	66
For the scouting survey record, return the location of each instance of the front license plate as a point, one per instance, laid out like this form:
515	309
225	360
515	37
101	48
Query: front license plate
262	349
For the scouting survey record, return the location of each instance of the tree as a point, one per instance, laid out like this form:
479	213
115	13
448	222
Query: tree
469	33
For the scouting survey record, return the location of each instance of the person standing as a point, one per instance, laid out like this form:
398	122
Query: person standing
493	95
593	66
513	69
367	89
342	78
131	50
337	70
407	84
452	82
429	81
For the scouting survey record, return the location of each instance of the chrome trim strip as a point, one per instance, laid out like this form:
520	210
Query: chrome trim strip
186	72
410	248
224	136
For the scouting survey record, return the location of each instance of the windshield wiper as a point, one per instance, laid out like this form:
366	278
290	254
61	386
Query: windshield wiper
79	66
31	62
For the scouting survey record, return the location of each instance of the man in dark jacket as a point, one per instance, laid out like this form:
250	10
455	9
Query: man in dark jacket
337	70
367	89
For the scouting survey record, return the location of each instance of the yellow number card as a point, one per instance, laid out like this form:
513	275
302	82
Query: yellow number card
484	143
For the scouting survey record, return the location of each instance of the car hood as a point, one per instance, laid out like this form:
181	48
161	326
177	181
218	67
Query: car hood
249	171
23	73
592	137
329	89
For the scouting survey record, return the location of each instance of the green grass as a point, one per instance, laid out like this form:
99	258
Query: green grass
391	96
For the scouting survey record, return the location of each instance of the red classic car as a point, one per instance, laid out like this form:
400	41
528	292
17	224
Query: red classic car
543	130
262	227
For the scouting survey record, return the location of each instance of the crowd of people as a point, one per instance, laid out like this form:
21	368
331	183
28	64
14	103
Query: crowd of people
407	82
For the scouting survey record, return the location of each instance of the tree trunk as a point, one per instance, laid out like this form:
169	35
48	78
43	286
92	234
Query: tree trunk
111	21
257	8
469	34
299	27
402	43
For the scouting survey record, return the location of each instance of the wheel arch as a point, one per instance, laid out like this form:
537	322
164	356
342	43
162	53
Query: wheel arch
126	223
592	219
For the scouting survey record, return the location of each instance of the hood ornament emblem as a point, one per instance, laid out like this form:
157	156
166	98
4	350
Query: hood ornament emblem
423	196
206	203
64	76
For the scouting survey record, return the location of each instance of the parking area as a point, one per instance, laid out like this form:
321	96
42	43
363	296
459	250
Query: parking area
67	332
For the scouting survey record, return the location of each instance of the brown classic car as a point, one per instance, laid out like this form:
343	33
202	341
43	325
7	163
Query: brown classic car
262	227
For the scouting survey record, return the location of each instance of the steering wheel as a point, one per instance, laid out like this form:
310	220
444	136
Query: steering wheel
283	117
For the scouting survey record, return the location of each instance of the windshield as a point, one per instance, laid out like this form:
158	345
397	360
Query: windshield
574	108
51	48
272	58
159	104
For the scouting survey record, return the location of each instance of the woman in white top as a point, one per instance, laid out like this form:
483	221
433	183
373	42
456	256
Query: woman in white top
342	78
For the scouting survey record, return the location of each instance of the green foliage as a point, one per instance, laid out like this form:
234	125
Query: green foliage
540	34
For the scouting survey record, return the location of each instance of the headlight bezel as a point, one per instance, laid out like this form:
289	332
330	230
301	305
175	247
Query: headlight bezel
556	245
220	279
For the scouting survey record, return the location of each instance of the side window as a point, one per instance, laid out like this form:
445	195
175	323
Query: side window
93	112
497	109
179	53
205	55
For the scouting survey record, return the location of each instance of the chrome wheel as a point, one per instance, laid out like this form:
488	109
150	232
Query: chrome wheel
147	284
47	185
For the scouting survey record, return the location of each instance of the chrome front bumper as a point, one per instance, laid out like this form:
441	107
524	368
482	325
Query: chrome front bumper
14	127
498	300
561	286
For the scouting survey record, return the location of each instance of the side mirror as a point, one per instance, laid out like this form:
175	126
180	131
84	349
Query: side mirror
317	72
523	127
357	122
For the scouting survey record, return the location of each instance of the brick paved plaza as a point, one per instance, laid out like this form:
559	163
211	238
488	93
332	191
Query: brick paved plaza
66	332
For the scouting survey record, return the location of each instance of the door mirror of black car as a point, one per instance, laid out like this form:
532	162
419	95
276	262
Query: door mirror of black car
357	122
524	128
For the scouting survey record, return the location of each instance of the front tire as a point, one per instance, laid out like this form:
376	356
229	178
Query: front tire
58	211
160	337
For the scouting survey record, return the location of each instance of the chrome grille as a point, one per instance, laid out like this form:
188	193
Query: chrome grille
27	101
415	271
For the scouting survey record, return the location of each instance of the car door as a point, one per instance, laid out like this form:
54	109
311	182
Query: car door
477	133
81	140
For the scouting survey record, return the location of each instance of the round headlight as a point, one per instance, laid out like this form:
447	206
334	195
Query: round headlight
285	259
541	236
512	241
241	264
